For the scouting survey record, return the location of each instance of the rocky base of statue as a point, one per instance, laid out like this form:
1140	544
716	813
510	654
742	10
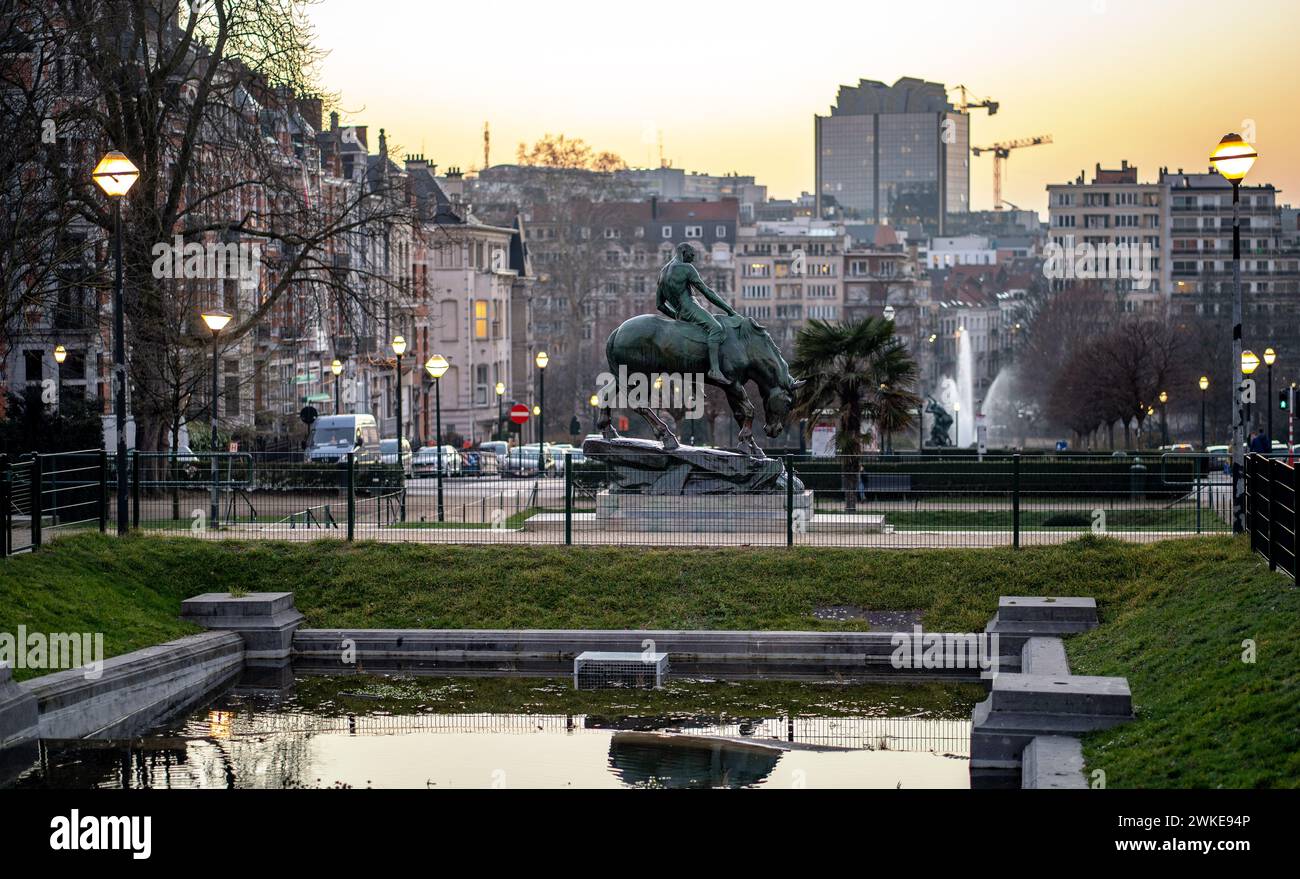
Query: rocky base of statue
645	467
689	489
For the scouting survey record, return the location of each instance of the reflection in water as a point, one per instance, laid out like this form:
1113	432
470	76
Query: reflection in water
259	743
648	760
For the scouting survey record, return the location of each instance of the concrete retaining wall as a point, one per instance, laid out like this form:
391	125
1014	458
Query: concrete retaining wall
733	655
136	690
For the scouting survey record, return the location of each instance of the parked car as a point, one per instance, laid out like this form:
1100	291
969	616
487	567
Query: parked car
333	436
496	447
478	462
388	453
425	461
525	461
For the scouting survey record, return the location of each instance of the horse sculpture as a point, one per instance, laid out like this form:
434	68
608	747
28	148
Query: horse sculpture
654	345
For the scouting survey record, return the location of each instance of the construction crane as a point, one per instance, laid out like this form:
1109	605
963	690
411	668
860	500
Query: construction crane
965	105
1001	152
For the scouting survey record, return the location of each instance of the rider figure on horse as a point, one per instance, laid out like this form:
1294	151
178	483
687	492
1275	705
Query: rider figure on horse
675	299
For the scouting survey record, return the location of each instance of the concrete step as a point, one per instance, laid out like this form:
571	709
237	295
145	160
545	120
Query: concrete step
1031	608
1069	694
1053	762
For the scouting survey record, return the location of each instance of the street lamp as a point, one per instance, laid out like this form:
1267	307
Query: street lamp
1164	418
595	411
336	367
1232	158
889	312
116	175
1249	363
1204	385
1269	357
399	348
541	360
216	321
60	355
501	396
437	367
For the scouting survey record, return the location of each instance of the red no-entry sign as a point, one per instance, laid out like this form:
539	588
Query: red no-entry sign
519	413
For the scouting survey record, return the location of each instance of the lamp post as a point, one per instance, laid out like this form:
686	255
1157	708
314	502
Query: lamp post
399	348
541	360
115	175
1249	363
337	368
60	355
216	321
595	413
1232	158
1204	385
437	367
1269	357
501	396
1164	418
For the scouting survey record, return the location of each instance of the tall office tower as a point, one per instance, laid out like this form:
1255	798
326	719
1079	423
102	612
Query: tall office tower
895	154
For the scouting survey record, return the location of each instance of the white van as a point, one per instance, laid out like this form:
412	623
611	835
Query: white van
333	436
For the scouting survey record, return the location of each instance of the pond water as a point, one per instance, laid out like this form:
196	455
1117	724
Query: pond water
244	740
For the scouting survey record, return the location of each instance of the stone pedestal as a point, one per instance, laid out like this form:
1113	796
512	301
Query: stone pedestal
708	512
265	620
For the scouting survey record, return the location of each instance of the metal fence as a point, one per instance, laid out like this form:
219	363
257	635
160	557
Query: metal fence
1272	491
895	500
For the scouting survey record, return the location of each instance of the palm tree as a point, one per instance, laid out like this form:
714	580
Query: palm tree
862	371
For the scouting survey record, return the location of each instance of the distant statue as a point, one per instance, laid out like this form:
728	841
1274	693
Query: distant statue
939	435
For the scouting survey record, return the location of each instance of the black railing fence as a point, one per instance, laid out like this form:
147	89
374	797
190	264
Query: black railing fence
1272	492
654	500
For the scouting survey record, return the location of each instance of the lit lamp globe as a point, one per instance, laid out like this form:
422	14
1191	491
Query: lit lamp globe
216	320
399	345
501	389
595	400
1269	356
1233	157
1249	362
60	354
537	410
889	312
1204	383
542	359
337	367
115	174
1164	397
436	366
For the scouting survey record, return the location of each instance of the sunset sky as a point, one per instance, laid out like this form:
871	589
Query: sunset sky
734	86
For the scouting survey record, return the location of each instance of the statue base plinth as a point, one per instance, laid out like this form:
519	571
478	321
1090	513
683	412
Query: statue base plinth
733	512
645	467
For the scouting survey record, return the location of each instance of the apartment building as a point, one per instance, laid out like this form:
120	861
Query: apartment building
1111	233
788	272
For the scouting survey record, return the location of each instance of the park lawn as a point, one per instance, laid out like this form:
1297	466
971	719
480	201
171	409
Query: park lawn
1173	613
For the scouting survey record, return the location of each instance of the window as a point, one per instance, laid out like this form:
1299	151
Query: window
34	364
480	319
720	231
480	384
667	231
694	231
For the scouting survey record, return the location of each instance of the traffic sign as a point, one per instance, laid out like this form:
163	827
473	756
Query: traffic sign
519	413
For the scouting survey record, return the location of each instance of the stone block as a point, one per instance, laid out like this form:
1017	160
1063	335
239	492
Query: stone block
19	715
1054	762
1032	608
265	620
1044	656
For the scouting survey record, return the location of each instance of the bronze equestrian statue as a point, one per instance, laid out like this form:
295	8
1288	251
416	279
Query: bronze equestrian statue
687	340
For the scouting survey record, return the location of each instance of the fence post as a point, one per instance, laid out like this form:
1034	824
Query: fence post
789	500
6	506
1015	501
352	495
103	490
568	498
1251	477
38	508
135	489
1271	469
